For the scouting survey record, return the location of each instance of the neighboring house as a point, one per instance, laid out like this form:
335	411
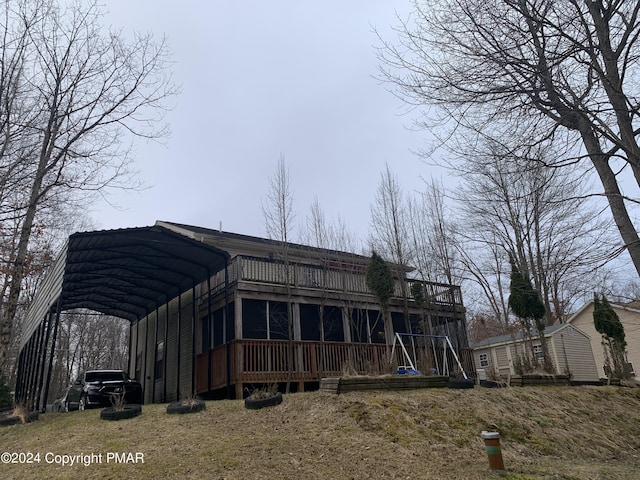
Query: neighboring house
629	314
209	311
569	350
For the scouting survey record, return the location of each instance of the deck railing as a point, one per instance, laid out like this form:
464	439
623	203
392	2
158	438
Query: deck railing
329	278
269	361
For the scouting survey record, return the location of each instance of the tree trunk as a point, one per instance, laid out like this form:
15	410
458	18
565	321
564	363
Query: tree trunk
17	268
612	191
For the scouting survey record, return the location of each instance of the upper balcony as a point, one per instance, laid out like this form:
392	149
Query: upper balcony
332	277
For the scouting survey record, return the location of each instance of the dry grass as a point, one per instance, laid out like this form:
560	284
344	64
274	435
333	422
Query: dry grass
547	432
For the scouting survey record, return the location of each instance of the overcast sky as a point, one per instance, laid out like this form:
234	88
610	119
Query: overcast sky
260	79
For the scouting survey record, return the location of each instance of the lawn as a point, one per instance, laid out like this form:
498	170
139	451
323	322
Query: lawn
547	432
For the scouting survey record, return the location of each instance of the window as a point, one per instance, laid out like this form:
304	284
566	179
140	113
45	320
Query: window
484	360
332	323
278	320
310	322
254	319
537	352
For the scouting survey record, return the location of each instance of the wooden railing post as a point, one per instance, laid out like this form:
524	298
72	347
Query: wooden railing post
237	353
313	364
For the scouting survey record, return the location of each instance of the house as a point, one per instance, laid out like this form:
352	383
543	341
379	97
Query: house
214	312
629	314
569	350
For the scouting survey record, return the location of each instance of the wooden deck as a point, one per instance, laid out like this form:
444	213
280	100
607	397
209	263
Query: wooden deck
271	361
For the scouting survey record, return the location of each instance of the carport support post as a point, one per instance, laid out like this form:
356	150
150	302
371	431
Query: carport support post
27	370
44	344
45	394
225	330
155	357
210	321
135	361
19	382
193	353
53	349
179	335
33	362
146	354
166	349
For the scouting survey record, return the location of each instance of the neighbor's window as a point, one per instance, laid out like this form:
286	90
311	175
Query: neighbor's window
484	360
537	351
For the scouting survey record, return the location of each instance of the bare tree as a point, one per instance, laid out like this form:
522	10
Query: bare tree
389	222
435	244
390	234
278	218
70	93
334	237
561	70
514	207
88	341
432	233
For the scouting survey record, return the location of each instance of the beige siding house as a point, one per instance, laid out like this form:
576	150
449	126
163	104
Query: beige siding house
629	315
569	349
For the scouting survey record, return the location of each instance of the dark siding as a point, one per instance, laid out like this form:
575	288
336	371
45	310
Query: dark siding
186	347
171	350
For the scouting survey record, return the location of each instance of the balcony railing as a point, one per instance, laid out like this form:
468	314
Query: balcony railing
271	361
329	278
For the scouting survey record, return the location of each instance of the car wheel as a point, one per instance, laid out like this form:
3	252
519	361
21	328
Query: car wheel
82	404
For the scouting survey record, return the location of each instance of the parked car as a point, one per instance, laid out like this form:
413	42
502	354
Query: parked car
96	388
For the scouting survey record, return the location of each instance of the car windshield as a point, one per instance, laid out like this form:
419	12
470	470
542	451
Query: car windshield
104	376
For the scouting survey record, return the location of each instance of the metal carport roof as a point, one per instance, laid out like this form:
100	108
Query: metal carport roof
126	273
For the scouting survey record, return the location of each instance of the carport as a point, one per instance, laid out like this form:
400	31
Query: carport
126	273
